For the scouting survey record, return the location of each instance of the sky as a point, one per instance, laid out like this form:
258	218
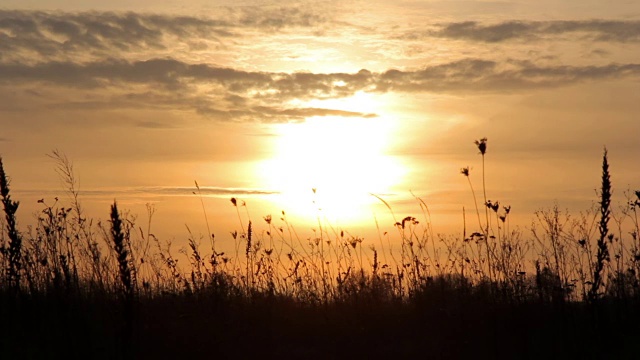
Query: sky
309	107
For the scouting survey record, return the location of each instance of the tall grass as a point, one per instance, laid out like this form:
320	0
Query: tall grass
409	274
65	252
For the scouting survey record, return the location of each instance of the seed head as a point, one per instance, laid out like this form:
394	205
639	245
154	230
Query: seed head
482	145
493	206
354	242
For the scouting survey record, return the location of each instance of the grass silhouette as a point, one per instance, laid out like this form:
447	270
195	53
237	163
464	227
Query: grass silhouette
75	288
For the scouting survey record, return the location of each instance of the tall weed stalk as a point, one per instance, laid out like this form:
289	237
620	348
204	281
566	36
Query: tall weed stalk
602	255
14	252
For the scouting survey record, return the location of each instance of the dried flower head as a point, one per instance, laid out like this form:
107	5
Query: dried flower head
465	171
355	241
493	206
482	145
410	219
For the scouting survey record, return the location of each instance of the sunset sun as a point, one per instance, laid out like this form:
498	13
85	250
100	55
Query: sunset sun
331	165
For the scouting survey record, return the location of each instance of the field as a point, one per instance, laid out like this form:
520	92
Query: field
72	287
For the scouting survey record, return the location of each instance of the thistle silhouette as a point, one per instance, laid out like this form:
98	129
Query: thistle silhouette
482	145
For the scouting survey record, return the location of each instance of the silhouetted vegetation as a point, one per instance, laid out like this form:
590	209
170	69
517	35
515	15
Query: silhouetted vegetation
76	288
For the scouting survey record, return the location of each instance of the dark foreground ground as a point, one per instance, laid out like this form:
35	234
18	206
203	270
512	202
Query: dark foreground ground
440	326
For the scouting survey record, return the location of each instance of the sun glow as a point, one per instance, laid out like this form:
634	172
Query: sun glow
328	166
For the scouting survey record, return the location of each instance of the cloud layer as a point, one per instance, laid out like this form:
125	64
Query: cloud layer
243	95
137	61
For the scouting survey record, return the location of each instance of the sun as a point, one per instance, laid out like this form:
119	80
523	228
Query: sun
329	166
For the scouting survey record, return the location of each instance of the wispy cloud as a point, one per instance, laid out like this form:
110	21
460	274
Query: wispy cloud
476	75
155	191
204	190
598	30
154	125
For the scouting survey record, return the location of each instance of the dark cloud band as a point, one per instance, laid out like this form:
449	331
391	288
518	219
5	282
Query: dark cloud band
262	96
599	30
170	74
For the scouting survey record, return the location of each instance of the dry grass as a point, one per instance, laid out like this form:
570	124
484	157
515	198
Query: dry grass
496	292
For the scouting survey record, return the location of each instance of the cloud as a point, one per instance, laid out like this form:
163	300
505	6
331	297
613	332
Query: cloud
152	191
24	34
477	75
238	95
153	125
109	61
204	190
599	52
276	114
302	113
205	105
239	85
598	30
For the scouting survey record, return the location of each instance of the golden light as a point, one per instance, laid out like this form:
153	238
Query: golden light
328	166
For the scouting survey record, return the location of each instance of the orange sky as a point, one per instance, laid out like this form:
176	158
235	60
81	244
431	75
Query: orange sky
265	102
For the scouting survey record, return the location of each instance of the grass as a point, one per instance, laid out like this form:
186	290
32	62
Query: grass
76	288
